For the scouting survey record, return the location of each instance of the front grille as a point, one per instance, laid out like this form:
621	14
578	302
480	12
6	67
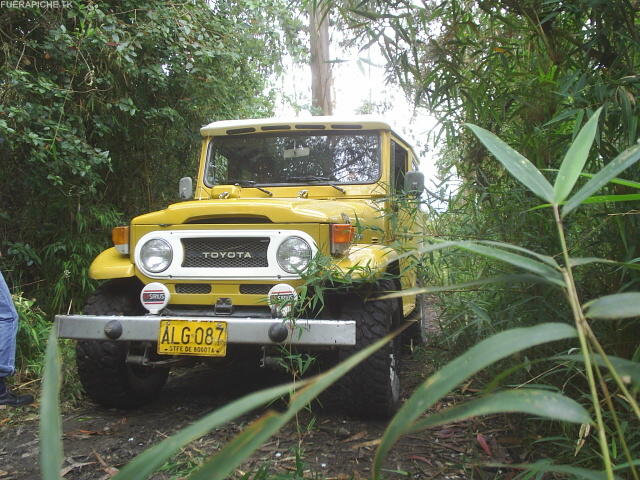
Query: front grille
201	288
225	252
255	288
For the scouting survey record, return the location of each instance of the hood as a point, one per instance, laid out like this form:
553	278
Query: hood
257	210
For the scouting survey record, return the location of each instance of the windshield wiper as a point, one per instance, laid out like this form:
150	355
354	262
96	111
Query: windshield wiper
250	183
316	178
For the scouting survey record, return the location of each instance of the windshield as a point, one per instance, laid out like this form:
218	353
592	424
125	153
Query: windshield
294	158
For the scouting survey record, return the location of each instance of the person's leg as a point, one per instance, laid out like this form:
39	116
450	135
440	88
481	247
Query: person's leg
8	333
8	330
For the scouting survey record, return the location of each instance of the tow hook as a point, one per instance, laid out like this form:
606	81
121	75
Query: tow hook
144	361
270	362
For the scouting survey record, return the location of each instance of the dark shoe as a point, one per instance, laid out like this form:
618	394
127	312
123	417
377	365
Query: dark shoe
13	400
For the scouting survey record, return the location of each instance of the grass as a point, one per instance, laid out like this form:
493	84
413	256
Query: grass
31	343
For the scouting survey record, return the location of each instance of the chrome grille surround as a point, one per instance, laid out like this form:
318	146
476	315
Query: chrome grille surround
223	254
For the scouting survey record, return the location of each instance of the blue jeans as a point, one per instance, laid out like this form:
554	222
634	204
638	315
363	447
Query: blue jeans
8	330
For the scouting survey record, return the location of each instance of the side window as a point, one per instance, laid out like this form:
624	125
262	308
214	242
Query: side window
399	157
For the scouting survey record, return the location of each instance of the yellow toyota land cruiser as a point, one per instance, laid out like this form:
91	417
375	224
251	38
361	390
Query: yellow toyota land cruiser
216	276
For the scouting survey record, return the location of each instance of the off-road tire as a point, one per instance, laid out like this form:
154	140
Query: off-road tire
372	388
106	377
417	332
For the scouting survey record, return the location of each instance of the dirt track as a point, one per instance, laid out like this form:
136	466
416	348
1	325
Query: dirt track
97	441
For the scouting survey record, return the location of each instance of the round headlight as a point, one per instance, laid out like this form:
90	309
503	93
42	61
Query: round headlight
156	255
294	255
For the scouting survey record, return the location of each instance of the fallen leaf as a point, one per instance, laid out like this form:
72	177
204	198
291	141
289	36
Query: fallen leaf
370	443
420	458
73	466
483	443
110	471
355	437
81	434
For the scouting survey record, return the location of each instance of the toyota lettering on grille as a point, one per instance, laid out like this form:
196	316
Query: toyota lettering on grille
227	254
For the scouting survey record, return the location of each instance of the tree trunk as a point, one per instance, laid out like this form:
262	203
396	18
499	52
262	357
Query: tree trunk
321	79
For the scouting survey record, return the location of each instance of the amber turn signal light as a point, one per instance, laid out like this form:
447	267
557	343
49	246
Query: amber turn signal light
341	237
120	238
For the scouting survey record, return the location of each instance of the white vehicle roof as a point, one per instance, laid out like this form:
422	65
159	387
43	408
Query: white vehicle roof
231	127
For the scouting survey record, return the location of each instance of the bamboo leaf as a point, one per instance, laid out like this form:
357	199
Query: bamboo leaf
153	458
629	197
623	466
545	258
516	278
579	261
625	368
616	180
562	116
575	159
520	167
464	366
520	261
51	450
600	179
534	402
611	307
243	445
545	466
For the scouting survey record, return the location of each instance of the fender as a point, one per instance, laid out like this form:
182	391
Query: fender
364	261
369	261
111	264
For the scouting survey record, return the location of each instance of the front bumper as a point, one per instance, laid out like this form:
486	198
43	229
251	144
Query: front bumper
240	330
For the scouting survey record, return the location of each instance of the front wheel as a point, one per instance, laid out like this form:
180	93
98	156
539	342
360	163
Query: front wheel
372	388
104	373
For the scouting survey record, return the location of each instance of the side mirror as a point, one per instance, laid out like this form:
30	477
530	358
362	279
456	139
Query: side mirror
414	183
185	188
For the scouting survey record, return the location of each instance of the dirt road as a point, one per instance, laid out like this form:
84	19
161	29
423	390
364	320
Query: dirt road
97	441
329	444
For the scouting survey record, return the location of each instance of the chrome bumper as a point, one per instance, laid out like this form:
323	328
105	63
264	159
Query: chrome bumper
240	330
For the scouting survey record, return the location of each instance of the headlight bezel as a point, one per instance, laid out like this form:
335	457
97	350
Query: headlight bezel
288	266
143	256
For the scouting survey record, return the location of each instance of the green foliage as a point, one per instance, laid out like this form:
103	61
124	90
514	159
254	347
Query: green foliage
100	106
31	345
617	306
611	307
532	72
454	373
32	337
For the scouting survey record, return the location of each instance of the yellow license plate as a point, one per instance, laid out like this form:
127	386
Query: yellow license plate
186	337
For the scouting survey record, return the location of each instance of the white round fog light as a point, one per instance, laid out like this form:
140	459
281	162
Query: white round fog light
281	298
154	297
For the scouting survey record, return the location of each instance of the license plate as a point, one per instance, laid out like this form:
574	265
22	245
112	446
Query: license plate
186	337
